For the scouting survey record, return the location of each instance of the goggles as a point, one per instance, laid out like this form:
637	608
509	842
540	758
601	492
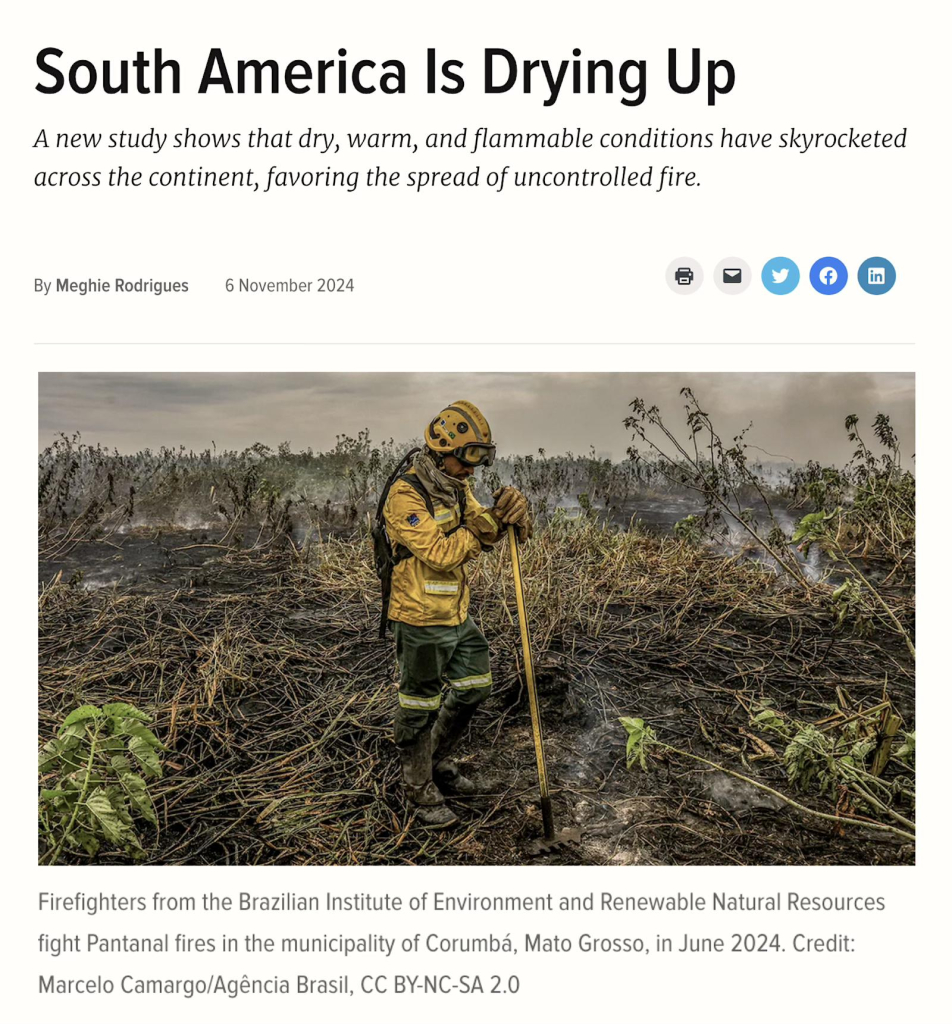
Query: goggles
475	454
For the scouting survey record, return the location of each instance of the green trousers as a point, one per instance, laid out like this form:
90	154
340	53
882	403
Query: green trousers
428	658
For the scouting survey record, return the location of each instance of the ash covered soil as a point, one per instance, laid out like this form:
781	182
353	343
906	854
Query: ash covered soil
266	681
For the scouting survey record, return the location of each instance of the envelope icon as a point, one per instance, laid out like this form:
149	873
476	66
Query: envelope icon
732	275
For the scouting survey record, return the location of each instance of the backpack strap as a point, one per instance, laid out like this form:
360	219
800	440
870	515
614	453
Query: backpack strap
384	557
417	484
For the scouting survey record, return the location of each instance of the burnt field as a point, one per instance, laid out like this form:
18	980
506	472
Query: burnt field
760	647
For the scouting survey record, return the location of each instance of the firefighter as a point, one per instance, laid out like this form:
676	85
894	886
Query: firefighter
436	526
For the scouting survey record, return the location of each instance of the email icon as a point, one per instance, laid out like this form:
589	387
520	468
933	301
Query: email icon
732	275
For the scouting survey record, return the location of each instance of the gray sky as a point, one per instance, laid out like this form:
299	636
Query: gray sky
795	414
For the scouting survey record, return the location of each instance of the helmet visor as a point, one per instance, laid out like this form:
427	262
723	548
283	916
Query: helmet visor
476	454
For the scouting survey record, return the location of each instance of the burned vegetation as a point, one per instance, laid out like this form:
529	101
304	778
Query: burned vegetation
731	686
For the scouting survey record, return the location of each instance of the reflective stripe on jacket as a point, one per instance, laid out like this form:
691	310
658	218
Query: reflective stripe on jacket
430	588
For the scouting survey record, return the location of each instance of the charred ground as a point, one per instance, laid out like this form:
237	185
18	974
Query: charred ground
268	686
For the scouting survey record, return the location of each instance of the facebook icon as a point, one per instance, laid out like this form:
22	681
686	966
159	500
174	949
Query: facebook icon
828	275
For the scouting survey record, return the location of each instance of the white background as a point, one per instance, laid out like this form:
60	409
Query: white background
560	279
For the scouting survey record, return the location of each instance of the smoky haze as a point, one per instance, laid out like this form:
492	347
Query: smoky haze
795	415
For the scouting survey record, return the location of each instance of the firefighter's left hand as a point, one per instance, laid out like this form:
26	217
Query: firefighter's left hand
512	509
512	506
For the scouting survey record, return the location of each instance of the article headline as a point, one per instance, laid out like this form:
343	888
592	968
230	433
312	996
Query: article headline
502	72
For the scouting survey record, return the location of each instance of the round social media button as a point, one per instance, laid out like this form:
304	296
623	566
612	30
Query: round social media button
780	275
876	275
828	275
684	275
732	275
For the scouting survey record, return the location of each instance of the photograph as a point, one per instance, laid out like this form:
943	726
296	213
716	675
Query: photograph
447	618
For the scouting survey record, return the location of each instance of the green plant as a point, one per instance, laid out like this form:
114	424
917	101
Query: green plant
810	759
907	751
815	528
872	499
689	530
847	601
93	781
640	738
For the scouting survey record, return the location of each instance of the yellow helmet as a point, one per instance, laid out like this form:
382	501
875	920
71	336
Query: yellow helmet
462	430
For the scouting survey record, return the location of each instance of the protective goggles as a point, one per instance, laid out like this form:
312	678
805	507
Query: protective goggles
476	454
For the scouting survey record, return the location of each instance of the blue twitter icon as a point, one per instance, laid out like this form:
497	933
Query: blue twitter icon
780	275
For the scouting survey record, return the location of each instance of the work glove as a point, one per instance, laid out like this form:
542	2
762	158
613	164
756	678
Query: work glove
512	509
512	506
487	527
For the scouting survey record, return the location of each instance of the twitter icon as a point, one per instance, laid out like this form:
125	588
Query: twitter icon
780	275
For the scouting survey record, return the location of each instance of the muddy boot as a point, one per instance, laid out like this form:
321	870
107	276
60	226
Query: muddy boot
427	801
447	730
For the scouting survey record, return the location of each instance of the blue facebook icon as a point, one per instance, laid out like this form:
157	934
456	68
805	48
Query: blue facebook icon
828	275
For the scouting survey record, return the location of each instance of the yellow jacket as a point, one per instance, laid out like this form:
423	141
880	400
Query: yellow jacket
430	588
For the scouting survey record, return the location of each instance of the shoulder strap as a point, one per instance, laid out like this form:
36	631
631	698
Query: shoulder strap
384	555
417	484
393	476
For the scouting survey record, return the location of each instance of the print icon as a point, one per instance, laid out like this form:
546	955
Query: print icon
684	275
780	275
828	275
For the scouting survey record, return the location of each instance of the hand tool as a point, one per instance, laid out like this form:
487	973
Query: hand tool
550	842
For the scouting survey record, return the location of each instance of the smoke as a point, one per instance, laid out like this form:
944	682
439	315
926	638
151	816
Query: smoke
795	415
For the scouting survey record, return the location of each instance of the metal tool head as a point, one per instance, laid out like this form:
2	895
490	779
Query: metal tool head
567	837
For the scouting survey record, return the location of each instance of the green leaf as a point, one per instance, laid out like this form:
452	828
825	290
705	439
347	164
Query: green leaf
145	754
640	738
140	732
121	710
632	724
99	807
135	787
907	751
769	720
72	734
62	752
81	714
117	797
861	750
86	840
58	798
